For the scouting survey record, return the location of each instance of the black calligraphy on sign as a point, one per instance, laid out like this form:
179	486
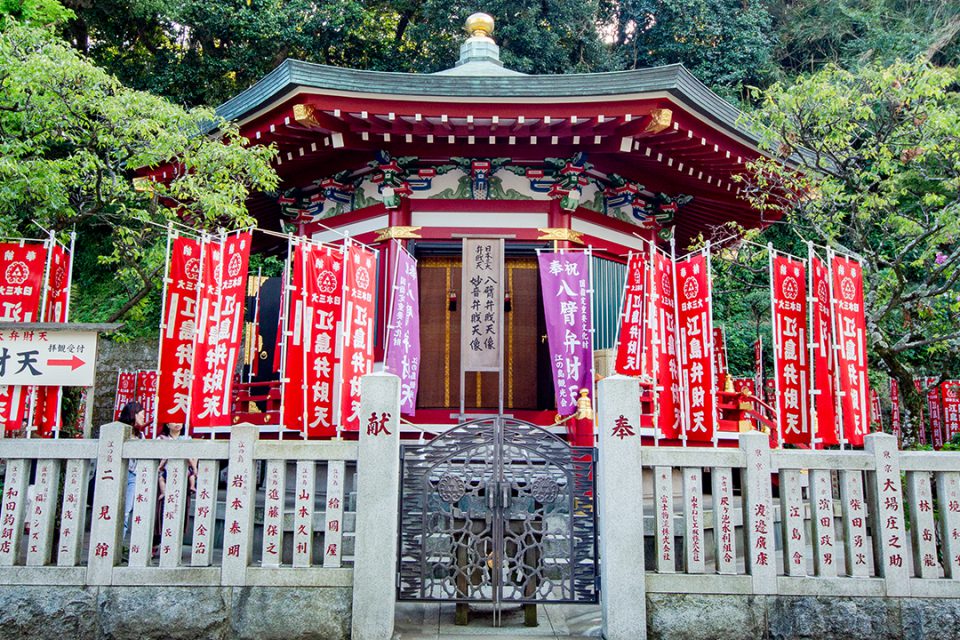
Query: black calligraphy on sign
483	300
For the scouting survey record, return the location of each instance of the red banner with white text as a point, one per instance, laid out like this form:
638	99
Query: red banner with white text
852	338
824	366
146	395
21	280
668	365
310	402
126	391
921	424
950	391
633	345
177	330
791	365
695	326
219	326
359	288
58	285
934	410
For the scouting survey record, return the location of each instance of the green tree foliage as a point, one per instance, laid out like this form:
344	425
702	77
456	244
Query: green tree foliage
199	52
850	32
71	140
873	169
728	44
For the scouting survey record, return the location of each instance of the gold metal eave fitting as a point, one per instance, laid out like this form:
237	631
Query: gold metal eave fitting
304	115
398	233
660	120
561	233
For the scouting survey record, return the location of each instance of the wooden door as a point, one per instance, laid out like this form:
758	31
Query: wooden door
440	339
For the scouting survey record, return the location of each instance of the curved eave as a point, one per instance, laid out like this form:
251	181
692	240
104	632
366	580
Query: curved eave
673	80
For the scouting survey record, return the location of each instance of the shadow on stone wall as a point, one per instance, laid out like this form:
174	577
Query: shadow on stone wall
140	353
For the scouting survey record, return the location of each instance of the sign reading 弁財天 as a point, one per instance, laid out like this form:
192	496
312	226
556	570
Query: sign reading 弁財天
47	357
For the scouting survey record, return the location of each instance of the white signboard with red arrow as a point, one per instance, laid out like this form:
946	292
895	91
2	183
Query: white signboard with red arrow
47	357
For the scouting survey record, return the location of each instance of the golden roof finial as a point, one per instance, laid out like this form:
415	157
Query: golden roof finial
480	25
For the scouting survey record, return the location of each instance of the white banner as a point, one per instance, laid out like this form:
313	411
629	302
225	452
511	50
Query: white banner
481	318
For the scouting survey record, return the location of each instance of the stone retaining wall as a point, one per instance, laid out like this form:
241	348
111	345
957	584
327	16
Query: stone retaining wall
140	353
122	613
673	616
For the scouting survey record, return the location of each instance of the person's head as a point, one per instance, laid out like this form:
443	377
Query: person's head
172	429
134	415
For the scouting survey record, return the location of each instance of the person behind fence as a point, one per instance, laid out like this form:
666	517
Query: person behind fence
134	415
174	431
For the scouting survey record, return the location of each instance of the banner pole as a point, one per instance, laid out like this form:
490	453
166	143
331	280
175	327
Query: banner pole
713	349
502	274
341	344
284	328
463	290
774	331
593	372
622	312
41	317
811	349
306	252
834	351
204	240
680	346
163	314
390	308
656	339
57	425
255	334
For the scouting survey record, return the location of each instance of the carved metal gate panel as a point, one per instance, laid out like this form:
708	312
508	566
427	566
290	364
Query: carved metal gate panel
498	510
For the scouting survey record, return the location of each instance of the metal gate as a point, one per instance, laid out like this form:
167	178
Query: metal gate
498	510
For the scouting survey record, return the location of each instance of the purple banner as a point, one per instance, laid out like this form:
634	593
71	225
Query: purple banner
403	333
565	279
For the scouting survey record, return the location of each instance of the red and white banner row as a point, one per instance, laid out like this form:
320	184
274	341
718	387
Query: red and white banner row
201	328
328	335
34	287
667	335
820	358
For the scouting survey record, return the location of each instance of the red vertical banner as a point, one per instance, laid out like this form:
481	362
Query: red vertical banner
876	418
177	330
312	362
790	355
632	340
146	395
206	394
219	325
934	409
21	280
695	327
46	410
895	409
668	366
58	285
720	357
921	424
359	285
126	391
950	391
824	403
852	354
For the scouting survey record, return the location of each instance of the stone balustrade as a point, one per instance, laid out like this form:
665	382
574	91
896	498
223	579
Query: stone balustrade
266	519
758	536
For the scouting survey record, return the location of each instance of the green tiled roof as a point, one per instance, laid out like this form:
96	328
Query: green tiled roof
674	80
